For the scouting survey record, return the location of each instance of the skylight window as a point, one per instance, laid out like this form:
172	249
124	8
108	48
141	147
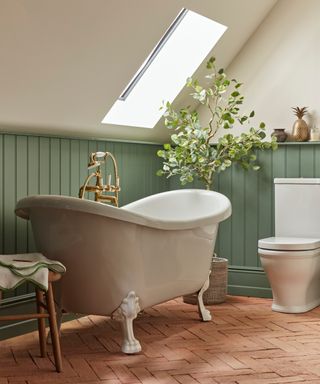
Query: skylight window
162	76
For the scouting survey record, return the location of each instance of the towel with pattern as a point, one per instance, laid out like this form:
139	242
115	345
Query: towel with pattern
27	267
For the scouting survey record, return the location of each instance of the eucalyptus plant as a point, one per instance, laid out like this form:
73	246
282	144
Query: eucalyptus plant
192	155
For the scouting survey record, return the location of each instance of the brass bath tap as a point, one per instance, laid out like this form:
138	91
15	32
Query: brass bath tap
96	160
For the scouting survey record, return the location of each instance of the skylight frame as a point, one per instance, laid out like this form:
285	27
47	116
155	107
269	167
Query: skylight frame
154	53
161	81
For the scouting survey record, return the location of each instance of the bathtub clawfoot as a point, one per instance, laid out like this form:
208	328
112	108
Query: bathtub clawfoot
126	313
203	312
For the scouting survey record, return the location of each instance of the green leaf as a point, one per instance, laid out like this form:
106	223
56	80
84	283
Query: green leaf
160	172
226	116
167	147
210	63
251	114
189	179
210	92
262	135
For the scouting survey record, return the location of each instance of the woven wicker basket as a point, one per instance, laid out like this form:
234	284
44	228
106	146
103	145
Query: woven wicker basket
217	291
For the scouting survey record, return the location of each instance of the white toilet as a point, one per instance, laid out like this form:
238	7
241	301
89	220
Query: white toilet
291	259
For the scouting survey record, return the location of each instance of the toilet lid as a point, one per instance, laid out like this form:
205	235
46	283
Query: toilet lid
289	243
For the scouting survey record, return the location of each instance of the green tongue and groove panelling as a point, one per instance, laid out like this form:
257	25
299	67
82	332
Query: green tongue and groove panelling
49	165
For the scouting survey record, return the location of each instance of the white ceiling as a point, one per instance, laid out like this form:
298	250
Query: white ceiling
65	62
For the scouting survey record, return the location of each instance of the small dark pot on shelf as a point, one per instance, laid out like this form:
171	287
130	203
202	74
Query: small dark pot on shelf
279	134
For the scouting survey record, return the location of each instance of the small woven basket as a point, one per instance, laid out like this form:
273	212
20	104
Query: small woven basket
217	291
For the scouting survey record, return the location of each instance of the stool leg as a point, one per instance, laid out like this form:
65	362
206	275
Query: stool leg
54	329
41	323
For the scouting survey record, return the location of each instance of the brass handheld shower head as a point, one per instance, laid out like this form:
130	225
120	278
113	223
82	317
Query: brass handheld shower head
93	162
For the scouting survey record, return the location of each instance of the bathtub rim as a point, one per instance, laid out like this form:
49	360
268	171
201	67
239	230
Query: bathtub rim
124	214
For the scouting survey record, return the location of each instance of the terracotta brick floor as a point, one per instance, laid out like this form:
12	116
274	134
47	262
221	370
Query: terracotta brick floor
246	343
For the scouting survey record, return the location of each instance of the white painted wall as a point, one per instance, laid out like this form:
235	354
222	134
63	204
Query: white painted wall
280	65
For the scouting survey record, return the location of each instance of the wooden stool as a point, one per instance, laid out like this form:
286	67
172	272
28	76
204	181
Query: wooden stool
41	315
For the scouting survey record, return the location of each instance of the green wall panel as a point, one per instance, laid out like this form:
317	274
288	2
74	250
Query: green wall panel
293	161
9	193
224	245
237	225
307	161
246	281
21	191
54	168
250	217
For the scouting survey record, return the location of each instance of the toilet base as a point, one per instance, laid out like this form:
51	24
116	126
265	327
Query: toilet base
294	277
295	308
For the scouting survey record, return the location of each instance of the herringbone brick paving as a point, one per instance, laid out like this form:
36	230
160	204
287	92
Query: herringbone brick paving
246	343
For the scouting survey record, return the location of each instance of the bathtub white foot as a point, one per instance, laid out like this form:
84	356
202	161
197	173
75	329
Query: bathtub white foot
203	312
126	313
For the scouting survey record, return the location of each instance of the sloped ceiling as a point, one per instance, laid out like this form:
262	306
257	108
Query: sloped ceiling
65	62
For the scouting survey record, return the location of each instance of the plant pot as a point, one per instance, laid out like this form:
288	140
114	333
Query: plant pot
279	134
217	291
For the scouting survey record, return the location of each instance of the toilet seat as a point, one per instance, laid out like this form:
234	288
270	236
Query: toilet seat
288	244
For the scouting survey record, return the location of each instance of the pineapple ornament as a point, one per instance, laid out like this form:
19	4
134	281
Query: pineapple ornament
300	131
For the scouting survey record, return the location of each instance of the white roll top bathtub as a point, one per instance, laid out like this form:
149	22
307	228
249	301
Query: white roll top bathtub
122	260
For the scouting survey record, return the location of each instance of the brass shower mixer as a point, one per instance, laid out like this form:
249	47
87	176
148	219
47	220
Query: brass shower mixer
99	189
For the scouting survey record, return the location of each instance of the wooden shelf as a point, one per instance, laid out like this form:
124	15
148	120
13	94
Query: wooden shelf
300	143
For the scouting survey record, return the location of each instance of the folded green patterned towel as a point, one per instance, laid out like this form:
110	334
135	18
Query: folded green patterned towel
33	267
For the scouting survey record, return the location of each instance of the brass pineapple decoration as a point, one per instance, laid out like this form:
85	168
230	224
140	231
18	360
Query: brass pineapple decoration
300	131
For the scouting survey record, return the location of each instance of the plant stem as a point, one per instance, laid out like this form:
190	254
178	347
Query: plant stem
209	181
